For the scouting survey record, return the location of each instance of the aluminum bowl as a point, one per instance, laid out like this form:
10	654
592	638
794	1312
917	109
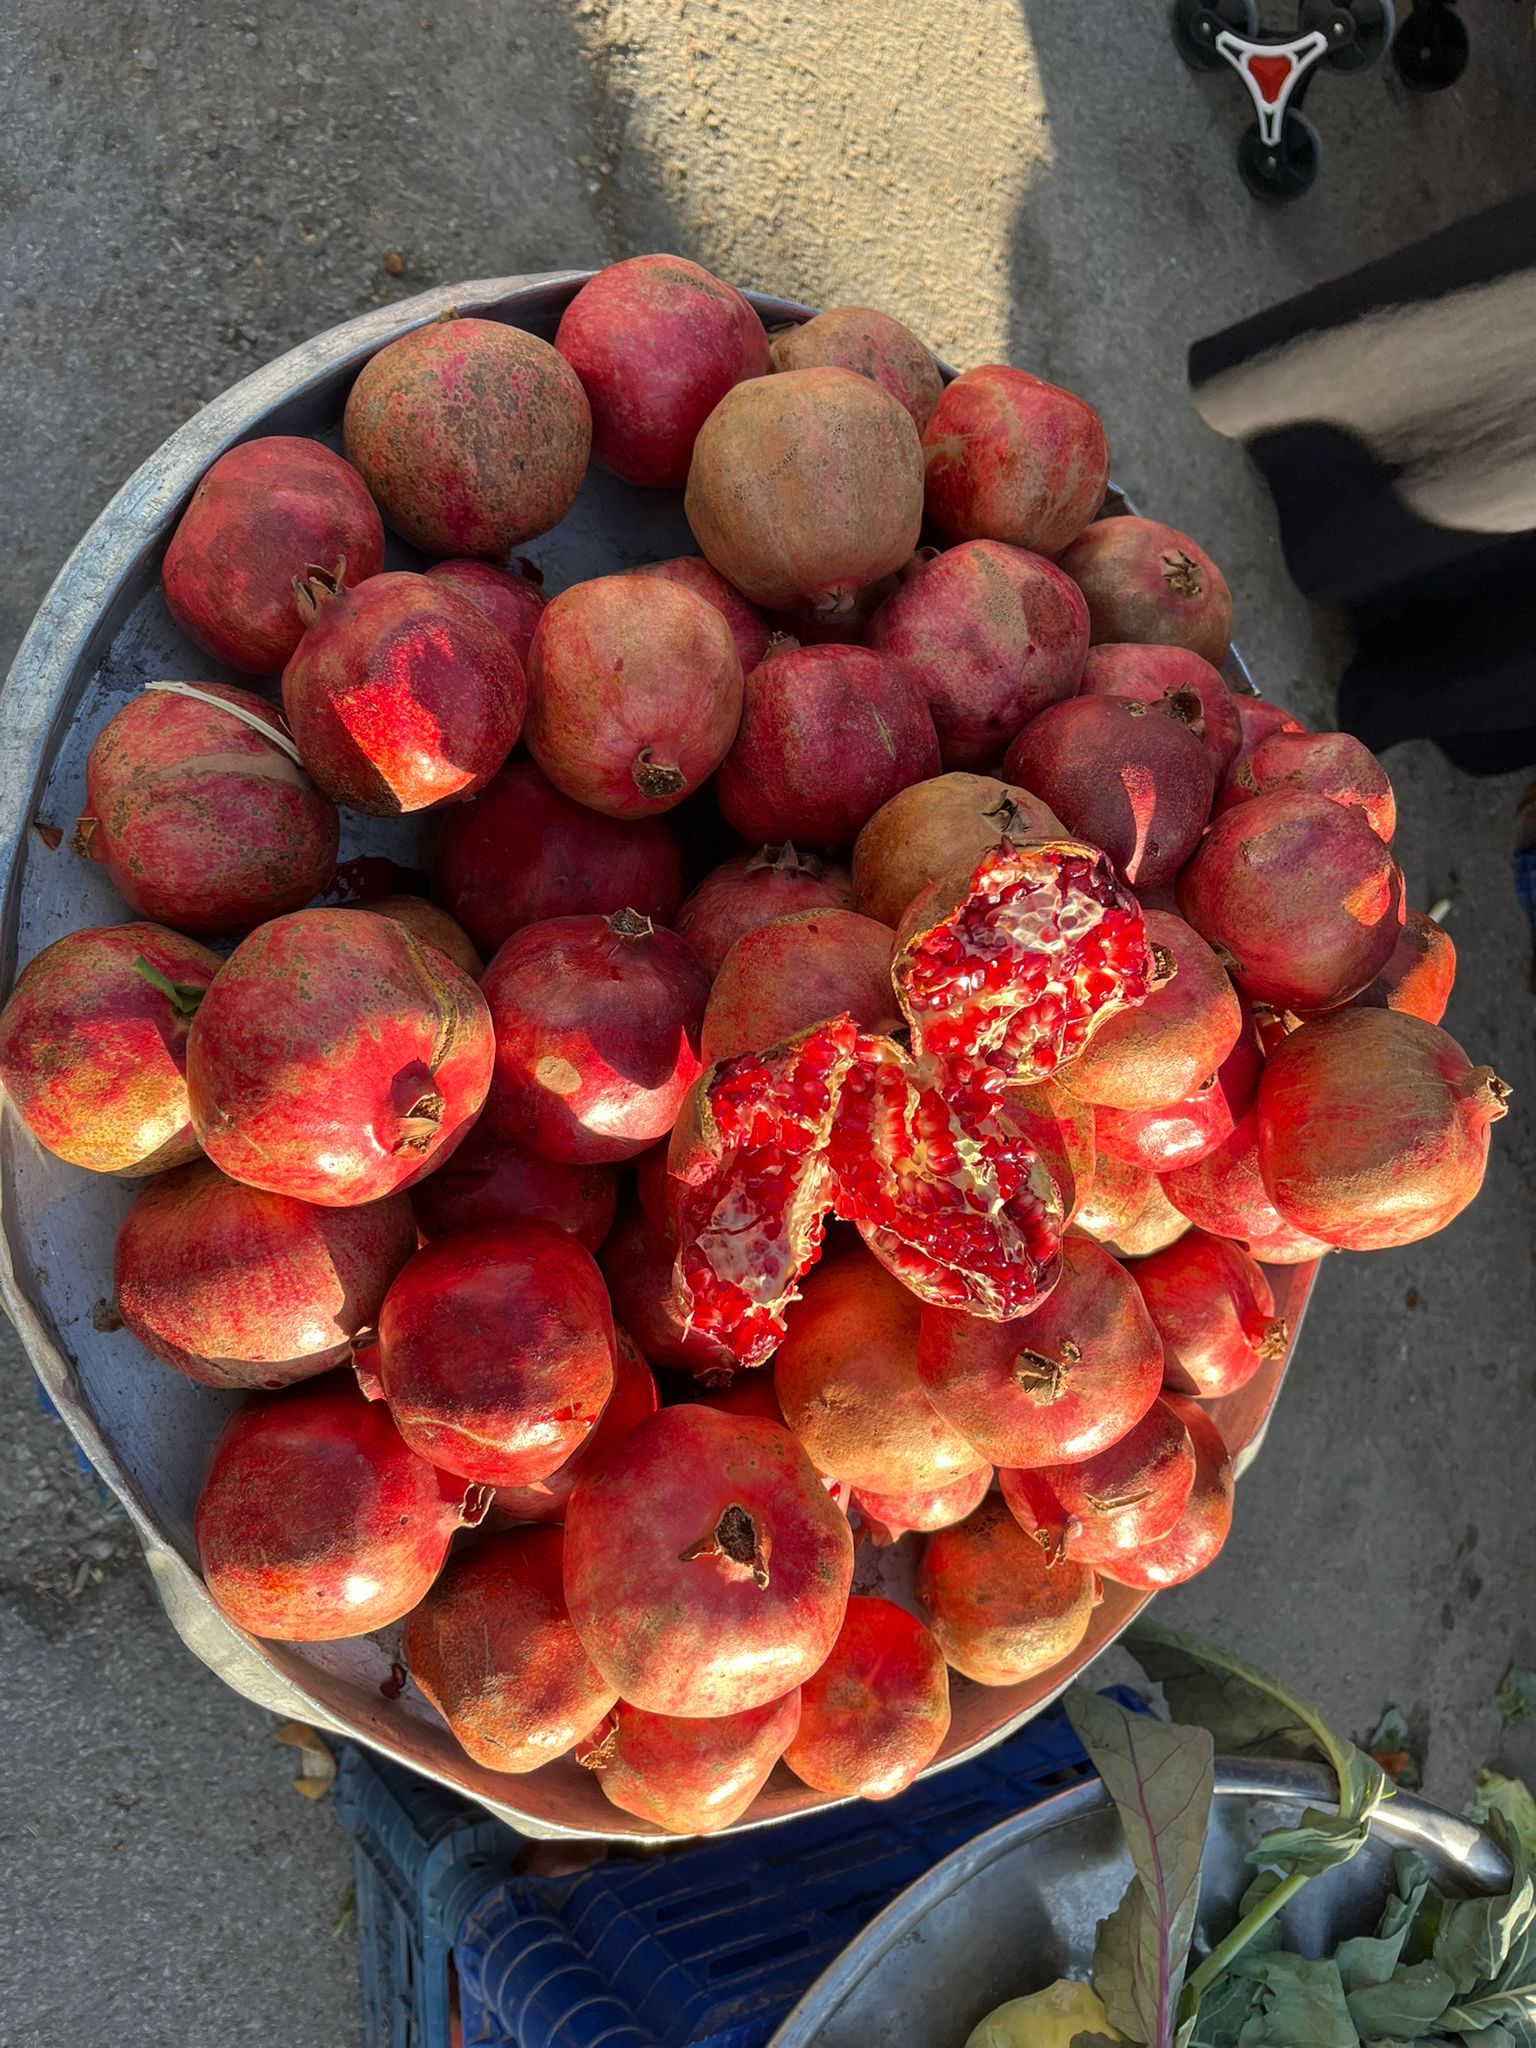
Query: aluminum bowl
1018	1906
101	632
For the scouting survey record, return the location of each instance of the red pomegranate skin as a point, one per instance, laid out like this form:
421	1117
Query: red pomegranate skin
991	634
1121	1497
1223	1192
1062	1130
520	852
1373	1128
638	1262
402	695
317	1520
1330	764
931	828
689	1776
489	1181
1058	1385
1419	974
1196	1538
1124	776
238	1288
872	345
635	693
754	889
877	1711
93	1056
1214	1312
597	1036
493	1648
1149	675
496	1351
1148	582
1151	1057
202	823
1001	1610
889	1516
1257	718
750	1393
828	735
657	343
846	1379
750	631
1009	457
512	599
336	1057
1299	897
264	514
1156	1223
795	972
707	1569
472	436
1118	1193
431	925
635	1396
1163	1141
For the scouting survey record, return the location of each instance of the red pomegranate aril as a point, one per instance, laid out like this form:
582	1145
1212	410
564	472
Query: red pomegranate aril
512	598
890	1516
493	1648
754	889
1214	1311
1120	1498
638	1264
1419	973
1196	1538
1001	1610
927	831
795	972
635	1396
750	631
1153	675
489	1181
1148	582
690	1776
877	1711
707	1570
872	345
1223	1192
1151	1057
1009	457
1164	1140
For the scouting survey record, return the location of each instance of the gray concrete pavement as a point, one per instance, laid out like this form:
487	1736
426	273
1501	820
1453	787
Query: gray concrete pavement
187	190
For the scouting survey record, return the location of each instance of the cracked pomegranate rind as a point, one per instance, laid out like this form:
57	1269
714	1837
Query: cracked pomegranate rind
751	1150
1006	967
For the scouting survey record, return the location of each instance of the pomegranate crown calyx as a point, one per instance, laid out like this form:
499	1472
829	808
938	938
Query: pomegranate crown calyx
631	924
317	587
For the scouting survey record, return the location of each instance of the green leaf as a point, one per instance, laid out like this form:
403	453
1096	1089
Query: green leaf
1301	2004
1160	1778
1514	2011
1320	1842
1224	2010
1370	1958
1516	1695
1091	2041
1512	1798
1407	2007
1404	1912
1476	1937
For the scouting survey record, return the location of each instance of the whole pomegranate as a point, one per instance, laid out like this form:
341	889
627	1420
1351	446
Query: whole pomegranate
754	889
687	1775
1214	1312
1223	1192
991	634
846	1380
1128	777
657	343
1153	675
1012	458
335	1058
495	1351
1373	1128
431	925
638	1262
1148	582
1151	1057
520	852
238	1288
635	693
1177	1135
597	1036
202	821
707	1570
1061	1384
889	1516
93	1046
750	631
1257	718
489	1181
401	695
473	436
1001	1610
795	972
1197	1536
634	1397
1419	973
1330	764
1155	1224
264	515
1121	1497
926	831
805	487
828	734
512	598
1298	896
872	345
317	1520
877	1711
1118	1193
493	1649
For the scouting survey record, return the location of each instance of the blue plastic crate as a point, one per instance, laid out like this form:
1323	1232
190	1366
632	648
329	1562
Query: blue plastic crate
709	1946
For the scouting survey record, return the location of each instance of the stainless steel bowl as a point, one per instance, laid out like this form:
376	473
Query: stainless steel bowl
1018	1906
102	631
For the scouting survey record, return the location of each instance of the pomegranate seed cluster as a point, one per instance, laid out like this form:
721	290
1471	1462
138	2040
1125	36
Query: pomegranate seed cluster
882	1018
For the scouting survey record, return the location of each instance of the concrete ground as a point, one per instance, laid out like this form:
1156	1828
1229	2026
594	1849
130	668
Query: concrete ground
187	190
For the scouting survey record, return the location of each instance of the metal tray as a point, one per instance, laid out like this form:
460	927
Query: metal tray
101	632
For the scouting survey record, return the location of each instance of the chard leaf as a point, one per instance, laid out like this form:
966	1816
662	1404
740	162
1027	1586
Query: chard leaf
1477	1937
1300	2004
1160	1779
1407	2007
1512	1798
1516	1695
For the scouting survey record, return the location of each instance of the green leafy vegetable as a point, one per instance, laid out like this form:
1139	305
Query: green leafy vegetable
1320	1842
1407	2007
1516	1695
1477	1938
1160	1778
1510	1797
1299	2004
1392	1745
1512	2011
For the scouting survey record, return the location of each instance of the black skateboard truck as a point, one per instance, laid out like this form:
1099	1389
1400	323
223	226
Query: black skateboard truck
1278	156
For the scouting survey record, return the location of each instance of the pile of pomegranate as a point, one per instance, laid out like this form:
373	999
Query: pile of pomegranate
882	1002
